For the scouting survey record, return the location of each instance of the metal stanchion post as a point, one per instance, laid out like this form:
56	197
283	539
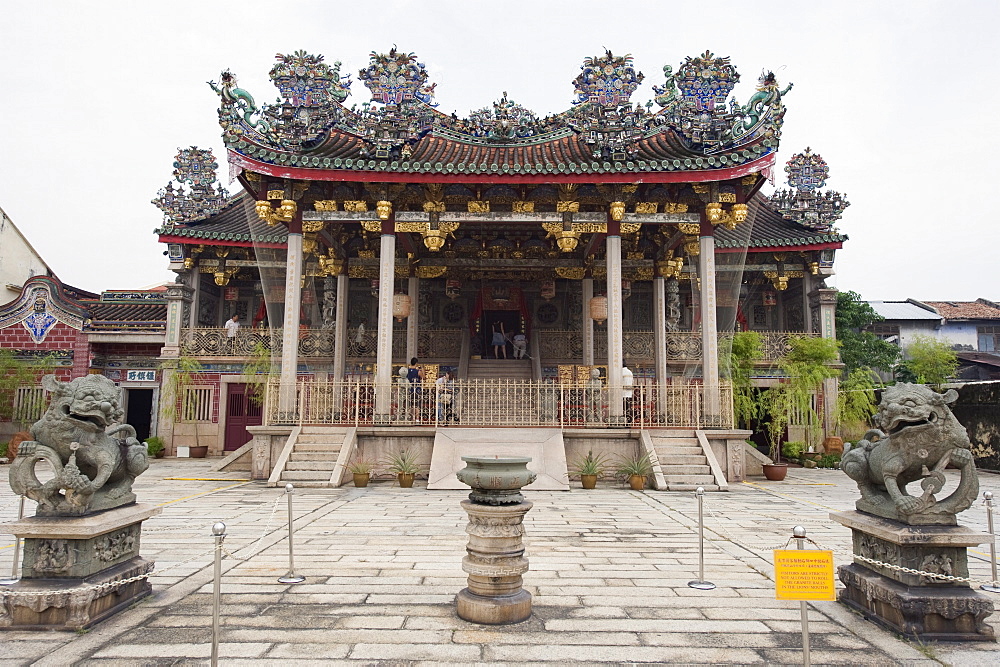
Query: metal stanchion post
219	531
700	582
291	577
799	533
992	587
17	552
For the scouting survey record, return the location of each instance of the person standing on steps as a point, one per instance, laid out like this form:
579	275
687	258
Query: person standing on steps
232	326
499	340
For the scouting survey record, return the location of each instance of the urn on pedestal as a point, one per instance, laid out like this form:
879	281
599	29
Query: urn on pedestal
495	560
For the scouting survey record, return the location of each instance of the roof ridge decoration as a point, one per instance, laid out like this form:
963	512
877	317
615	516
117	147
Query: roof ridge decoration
197	168
310	127
804	203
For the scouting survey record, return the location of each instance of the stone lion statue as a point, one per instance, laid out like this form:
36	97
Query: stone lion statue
918	438
94	457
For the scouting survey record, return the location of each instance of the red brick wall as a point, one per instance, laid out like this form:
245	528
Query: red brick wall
59	337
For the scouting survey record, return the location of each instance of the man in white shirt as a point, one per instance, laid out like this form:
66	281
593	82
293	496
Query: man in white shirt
627	392
445	388
232	326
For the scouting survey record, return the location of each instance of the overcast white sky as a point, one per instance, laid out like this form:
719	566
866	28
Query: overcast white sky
899	97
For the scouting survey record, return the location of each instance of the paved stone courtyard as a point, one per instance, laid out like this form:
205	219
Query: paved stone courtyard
609	573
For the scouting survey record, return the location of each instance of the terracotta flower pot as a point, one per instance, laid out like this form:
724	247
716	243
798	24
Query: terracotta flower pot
637	482
361	479
775	472
198	452
405	480
160	454
589	481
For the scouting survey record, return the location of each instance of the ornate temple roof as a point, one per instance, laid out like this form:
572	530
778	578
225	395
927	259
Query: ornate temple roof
697	133
237	225
125	316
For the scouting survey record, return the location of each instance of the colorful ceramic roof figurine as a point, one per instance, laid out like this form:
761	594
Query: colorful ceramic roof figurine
196	168
699	134
804	203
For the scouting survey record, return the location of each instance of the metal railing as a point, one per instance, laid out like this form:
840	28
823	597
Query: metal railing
492	403
561	345
208	341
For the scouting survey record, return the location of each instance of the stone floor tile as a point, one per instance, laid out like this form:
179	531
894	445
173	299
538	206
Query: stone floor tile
406	652
298	651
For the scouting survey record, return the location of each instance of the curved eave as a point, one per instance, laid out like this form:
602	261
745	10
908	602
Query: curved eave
224	239
761	164
806	244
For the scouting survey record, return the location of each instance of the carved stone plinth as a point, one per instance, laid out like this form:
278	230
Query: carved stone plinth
73	568
915	605
495	560
495	563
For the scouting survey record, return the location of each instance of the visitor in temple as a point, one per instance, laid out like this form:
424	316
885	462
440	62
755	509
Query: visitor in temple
520	345
499	340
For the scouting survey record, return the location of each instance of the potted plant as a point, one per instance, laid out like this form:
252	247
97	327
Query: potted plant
635	469
590	467
177	405
154	447
362	471
404	465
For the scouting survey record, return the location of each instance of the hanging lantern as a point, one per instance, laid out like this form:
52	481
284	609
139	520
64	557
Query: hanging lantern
599	308
769	298
400	306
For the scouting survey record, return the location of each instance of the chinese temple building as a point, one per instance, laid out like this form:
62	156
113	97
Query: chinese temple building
604	254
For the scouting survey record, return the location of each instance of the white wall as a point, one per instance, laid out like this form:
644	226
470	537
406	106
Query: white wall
18	260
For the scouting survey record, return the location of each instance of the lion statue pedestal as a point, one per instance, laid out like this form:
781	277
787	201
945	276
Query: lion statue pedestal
921	438
82	546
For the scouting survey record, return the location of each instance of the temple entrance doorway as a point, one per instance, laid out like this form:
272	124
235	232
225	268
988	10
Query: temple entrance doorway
241	411
139	411
511	321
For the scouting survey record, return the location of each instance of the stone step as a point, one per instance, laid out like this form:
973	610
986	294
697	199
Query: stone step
305	476
305	484
697	480
317	446
328	430
671	469
314	466
667	452
684	460
319	438
314	456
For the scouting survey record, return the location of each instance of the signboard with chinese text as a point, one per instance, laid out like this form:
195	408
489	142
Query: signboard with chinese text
803	575
140	376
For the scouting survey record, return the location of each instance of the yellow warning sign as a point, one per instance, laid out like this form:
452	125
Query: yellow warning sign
803	575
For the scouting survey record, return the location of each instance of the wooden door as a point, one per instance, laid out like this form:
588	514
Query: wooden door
241	411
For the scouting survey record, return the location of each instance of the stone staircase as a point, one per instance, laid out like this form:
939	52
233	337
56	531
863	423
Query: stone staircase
500	369
311	458
683	462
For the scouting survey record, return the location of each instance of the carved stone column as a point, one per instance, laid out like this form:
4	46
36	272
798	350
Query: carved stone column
495	560
178	300
616	360
660	342
290	323
340	329
383	349
828	329
712	406
587	324
413	321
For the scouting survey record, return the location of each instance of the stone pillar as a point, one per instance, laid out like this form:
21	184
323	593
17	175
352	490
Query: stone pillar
807	323
616	359
383	349
828	329
413	321
340	329
660	341
587	286
290	323
712	403
177	296
192	319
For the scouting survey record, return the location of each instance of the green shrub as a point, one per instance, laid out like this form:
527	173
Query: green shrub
154	445
3	449
829	461
793	450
